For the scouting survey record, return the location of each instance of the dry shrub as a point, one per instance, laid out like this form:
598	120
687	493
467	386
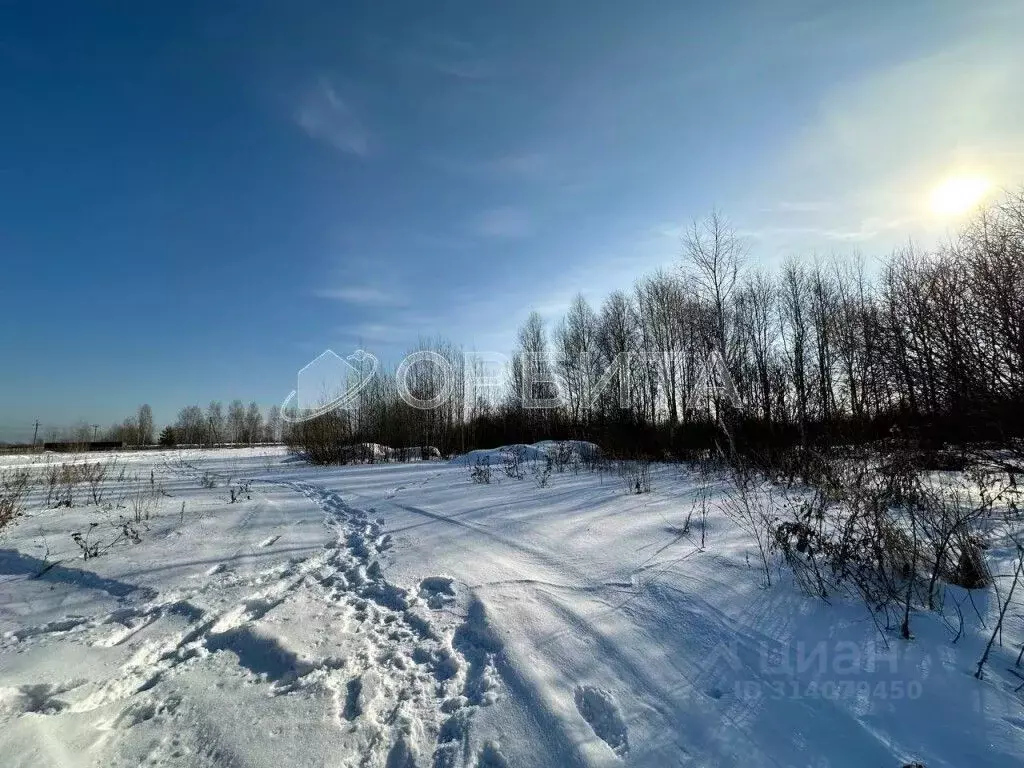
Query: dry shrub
480	472
14	487
880	526
635	475
969	570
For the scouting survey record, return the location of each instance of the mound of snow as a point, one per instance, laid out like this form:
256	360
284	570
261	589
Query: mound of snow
367	452
572	448
498	455
568	450
375	452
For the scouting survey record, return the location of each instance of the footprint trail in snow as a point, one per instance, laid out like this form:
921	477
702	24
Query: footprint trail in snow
400	681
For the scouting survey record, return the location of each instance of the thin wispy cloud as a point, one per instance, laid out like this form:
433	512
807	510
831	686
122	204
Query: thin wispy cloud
504	222
401	332
381	333
866	230
325	116
364	295
517	166
451	58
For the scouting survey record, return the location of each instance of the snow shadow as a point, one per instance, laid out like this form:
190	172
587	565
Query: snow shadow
260	655
14	563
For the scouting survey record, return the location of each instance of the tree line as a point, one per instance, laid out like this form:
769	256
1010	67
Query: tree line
926	342
137	429
194	425
216	426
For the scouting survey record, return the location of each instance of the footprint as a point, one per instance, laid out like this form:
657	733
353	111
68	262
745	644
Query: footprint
144	709
437	591
478	643
599	708
63	625
371	694
401	754
40	699
491	757
352	690
128	629
452	739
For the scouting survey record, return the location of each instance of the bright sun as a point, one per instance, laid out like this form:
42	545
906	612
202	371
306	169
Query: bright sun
959	195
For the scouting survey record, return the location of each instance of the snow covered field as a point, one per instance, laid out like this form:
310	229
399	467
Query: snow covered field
400	614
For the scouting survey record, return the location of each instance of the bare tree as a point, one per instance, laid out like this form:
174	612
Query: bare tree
272	429
617	342
823	306
145	425
253	423
235	431
215	422
713	256
576	358
758	323
795	325
532	374
190	428
659	299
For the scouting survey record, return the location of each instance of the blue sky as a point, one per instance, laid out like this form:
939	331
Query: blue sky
196	198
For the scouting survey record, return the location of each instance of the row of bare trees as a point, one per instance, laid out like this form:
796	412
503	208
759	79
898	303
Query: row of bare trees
444	416
816	350
819	349
134	430
239	424
194	425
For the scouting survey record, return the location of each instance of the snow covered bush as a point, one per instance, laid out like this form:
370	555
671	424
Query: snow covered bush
481	472
635	475
562	455
541	472
322	440
512	464
94	475
883	529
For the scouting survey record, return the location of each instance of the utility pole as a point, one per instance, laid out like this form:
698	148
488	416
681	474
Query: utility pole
35	434
94	428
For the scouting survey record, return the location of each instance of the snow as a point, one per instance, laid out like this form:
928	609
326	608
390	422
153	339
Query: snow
375	452
579	450
400	615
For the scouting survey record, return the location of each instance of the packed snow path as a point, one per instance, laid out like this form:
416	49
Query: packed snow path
400	615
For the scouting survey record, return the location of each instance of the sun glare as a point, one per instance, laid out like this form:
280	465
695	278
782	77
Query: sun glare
959	195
